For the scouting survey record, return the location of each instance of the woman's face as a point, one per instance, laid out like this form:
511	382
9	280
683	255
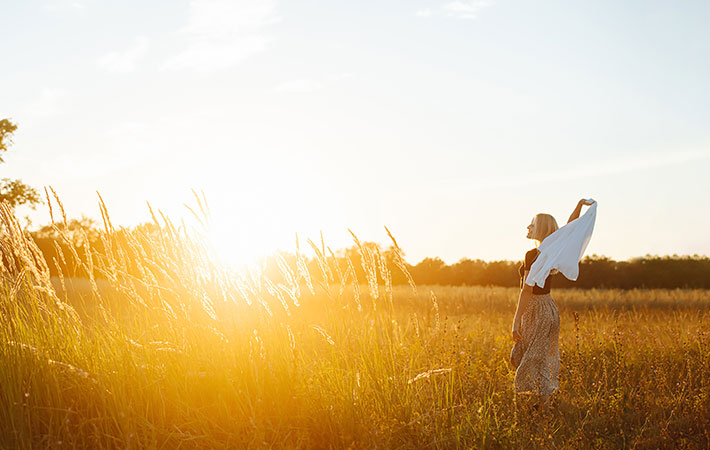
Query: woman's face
531	229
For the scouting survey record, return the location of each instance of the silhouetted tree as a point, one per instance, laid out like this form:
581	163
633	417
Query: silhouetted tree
13	192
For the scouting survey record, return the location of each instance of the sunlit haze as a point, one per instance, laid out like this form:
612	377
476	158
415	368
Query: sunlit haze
452	123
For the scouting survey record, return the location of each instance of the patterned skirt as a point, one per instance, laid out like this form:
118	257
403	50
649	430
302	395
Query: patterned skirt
540	364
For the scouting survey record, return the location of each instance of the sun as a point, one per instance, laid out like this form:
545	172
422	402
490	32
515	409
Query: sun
240	244
255	218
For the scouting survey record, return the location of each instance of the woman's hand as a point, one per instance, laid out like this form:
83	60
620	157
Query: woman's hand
578	210
517	336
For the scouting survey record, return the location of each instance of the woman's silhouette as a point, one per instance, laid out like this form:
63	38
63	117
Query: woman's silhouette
536	326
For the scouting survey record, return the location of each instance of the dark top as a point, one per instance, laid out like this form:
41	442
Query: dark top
530	258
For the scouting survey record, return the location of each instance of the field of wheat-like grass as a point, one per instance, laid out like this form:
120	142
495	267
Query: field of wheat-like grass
162	347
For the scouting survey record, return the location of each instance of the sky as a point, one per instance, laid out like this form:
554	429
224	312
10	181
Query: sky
451	123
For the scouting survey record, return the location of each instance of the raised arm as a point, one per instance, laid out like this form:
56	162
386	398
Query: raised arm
578	209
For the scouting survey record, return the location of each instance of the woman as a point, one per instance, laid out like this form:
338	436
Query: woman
536	326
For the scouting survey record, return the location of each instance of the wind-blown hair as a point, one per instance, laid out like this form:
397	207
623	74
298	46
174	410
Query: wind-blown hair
545	225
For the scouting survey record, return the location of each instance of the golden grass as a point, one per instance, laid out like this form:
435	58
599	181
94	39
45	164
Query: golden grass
168	349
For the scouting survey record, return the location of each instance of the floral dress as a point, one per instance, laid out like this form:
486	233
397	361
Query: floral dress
539	366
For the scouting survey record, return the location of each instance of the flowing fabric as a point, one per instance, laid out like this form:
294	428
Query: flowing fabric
539	367
563	249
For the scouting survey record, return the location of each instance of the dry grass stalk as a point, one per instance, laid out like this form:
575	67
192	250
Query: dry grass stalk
398	258
323	333
356	284
427	374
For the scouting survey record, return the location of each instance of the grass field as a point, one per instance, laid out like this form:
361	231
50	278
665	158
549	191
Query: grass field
170	350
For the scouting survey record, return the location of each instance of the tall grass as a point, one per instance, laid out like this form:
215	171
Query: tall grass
167	348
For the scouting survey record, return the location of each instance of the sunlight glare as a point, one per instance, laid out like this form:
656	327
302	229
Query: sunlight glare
242	244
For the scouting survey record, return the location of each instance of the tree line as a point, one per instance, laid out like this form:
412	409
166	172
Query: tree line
668	272
650	271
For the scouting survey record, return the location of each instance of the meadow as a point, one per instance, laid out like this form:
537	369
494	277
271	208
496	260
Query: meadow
169	349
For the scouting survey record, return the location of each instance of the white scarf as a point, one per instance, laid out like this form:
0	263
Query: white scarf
563	249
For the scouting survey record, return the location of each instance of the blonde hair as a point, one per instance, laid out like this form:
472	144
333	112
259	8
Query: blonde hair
545	225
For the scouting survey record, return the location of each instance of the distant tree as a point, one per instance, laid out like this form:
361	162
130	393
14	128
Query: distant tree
429	271
79	232
13	192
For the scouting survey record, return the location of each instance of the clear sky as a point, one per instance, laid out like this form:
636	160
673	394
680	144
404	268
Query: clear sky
452	123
